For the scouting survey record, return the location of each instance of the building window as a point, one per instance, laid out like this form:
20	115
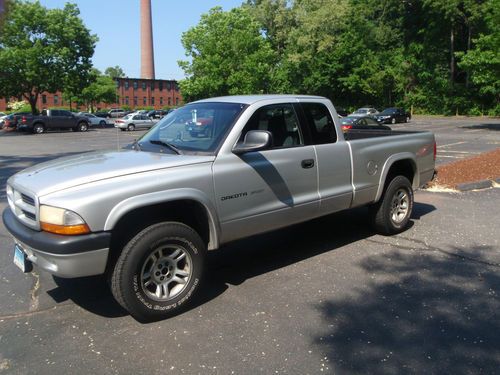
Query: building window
135	85
161	100
56	99
117	83
169	102
168	86
144	101
176	87
152	86
152	100
176	101
160	86
127	85
44	99
126	100
135	101
144	85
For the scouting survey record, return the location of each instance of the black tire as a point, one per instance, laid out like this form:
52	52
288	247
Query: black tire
102	123
122	129
391	214
82	127
38	128
393	120
407	119
128	276
131	127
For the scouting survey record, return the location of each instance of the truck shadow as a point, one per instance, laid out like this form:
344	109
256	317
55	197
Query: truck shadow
483	126
424	311
243	259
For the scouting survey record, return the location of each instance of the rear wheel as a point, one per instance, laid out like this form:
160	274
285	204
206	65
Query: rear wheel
102	123
407	119
131	127
393	121
38	128
392	213
159	271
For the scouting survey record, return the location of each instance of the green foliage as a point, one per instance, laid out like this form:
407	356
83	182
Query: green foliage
102	89
115	72
228	55
126	107
434	56
43	50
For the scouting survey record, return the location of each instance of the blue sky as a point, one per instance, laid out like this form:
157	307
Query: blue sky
117	24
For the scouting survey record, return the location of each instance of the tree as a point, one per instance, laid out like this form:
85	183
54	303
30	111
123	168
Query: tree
102	89
115	72
43	50
228	55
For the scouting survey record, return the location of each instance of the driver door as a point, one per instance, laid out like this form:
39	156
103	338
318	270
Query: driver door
264	190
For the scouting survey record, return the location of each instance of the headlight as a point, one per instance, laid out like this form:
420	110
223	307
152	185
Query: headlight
60	221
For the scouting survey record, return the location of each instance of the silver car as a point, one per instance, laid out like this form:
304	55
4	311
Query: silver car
361	112
93	119
134	121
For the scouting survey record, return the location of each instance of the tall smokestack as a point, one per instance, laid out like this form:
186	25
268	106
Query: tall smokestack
147	54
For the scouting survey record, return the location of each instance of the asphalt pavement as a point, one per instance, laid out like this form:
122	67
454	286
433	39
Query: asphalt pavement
326	296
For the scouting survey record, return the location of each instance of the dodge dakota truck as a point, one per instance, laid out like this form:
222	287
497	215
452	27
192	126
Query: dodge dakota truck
54	119
146	216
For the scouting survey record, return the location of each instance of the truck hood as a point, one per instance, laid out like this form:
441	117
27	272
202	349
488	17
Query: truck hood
71	171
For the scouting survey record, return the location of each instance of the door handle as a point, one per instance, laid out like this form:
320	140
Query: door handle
307	163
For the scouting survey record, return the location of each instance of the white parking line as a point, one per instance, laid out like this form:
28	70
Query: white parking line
451	144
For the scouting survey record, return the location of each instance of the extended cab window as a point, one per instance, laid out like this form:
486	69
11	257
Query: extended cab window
320	123
280	120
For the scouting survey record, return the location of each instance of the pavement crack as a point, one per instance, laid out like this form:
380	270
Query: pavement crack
32	313
34	292
427	247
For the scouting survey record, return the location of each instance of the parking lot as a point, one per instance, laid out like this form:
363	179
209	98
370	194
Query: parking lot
326	296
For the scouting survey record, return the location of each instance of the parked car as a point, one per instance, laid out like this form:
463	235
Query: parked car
353	123
158	114
134	121
156	211
102	114
93	119
392	116
14	119
54	119
116	112
199	126
366	111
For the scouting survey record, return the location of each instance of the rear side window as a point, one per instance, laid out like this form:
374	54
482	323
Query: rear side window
320	123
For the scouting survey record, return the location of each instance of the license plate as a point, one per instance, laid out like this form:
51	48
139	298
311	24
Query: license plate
20	258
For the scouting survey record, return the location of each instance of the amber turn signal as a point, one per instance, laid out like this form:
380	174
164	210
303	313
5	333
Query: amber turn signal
69	230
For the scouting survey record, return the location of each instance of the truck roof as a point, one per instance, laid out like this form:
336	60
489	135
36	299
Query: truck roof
250	99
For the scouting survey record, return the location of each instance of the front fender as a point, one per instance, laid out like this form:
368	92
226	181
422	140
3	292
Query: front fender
138	201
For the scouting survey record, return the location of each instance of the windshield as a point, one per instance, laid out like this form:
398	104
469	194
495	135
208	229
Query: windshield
197	127
361	111
388	111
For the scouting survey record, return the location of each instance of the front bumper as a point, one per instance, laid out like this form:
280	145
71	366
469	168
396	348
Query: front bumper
64	256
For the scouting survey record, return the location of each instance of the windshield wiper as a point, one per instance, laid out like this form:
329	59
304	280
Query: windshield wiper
165	144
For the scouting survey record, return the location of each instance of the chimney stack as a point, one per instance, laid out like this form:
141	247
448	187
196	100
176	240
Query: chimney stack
147	53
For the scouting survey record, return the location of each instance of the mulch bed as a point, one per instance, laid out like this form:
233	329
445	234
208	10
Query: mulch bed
483	167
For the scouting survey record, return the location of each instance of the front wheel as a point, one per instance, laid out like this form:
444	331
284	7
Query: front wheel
102	123
392	213
82	127
393	121
159	271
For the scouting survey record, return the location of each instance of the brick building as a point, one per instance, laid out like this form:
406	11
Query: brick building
132	92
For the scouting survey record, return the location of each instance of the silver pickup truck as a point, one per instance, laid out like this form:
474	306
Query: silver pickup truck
211	172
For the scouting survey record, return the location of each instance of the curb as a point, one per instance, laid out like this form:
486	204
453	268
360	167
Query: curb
483	184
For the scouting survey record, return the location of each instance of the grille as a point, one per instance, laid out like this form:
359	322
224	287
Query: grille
24	205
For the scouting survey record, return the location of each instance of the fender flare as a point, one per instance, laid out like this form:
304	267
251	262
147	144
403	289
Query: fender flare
387	166
138	201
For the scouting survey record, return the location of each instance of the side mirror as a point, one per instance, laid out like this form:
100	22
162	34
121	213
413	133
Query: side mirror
255	140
